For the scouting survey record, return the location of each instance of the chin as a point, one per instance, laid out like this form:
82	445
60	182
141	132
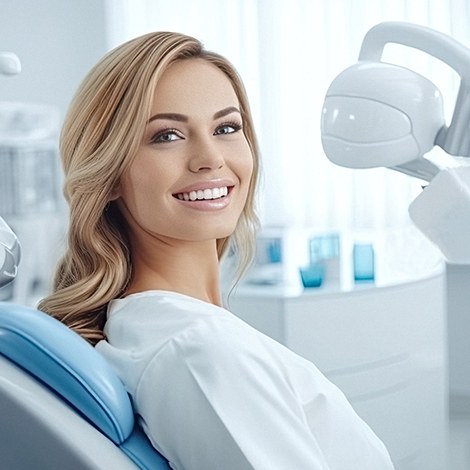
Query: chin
223	232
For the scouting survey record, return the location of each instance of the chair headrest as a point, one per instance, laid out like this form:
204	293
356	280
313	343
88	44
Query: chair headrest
69	365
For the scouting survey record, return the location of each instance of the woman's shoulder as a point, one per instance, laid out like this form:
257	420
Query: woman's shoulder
172	332
157	320
157	317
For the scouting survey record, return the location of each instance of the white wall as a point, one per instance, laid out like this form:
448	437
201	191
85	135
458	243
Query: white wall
57	42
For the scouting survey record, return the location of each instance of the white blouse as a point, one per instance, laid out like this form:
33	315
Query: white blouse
212	392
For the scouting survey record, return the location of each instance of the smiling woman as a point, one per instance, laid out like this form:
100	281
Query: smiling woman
161	165
193	145
109	137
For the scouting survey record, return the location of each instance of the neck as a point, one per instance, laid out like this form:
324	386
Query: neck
190	268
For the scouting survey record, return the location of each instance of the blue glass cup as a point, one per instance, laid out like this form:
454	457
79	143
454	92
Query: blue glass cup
312	275
363	262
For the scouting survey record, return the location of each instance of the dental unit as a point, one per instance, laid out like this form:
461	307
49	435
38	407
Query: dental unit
377	114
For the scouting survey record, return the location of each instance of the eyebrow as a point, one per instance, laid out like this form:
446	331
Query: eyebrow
226	111
184	118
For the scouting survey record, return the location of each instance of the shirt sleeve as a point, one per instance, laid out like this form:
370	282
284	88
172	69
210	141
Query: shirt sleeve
212	399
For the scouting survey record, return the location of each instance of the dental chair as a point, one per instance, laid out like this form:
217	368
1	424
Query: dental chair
62	406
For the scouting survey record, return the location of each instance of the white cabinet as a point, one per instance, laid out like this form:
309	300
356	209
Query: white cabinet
385	347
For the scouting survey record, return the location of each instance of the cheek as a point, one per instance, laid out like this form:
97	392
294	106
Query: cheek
148	176
246	167
243	161
139	189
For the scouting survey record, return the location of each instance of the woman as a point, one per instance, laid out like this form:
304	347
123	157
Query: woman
161	166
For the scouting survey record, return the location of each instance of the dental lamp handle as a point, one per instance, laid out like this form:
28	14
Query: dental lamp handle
454	139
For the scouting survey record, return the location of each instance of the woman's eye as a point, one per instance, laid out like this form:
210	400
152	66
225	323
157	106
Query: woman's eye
165	137
227	129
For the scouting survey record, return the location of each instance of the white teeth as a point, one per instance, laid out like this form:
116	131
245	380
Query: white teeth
203	194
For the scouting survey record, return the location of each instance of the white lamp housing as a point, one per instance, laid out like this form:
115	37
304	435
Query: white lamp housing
377	114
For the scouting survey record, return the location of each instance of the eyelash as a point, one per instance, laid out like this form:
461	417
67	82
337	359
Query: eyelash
234	124
163	132
155	139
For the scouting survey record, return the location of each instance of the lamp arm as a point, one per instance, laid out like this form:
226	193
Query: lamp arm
454	139
434	43
419	168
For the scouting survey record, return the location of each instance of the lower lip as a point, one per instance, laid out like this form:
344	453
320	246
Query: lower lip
207	204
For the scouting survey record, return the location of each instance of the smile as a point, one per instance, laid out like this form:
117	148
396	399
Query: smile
203	194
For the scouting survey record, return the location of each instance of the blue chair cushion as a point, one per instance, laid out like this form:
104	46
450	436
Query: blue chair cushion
69	365
73	369
139	449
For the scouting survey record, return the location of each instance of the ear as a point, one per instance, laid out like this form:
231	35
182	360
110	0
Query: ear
115	194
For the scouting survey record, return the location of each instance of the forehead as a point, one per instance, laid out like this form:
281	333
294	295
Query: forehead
193	84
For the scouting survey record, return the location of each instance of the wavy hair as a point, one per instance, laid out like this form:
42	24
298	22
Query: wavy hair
100	137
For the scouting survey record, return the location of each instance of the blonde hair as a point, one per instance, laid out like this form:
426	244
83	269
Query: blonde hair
101	134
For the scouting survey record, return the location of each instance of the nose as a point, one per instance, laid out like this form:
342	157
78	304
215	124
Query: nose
206	156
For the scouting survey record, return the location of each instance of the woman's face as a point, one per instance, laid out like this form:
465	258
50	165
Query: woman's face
190	178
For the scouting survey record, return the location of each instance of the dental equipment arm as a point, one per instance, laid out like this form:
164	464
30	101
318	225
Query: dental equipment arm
10	252
378	114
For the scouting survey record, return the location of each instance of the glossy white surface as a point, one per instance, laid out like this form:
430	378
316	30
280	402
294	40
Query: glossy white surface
442	213
370	121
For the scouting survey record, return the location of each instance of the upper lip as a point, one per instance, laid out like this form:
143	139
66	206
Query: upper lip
201	185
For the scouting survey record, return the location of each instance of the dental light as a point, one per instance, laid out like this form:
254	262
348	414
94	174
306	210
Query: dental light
10	252
378	114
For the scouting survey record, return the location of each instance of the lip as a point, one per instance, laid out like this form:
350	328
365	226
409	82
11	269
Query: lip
207	205
209	184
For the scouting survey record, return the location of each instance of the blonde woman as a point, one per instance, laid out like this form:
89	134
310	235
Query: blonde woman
161	166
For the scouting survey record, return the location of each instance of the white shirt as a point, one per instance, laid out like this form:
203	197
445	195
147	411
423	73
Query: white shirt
214	393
